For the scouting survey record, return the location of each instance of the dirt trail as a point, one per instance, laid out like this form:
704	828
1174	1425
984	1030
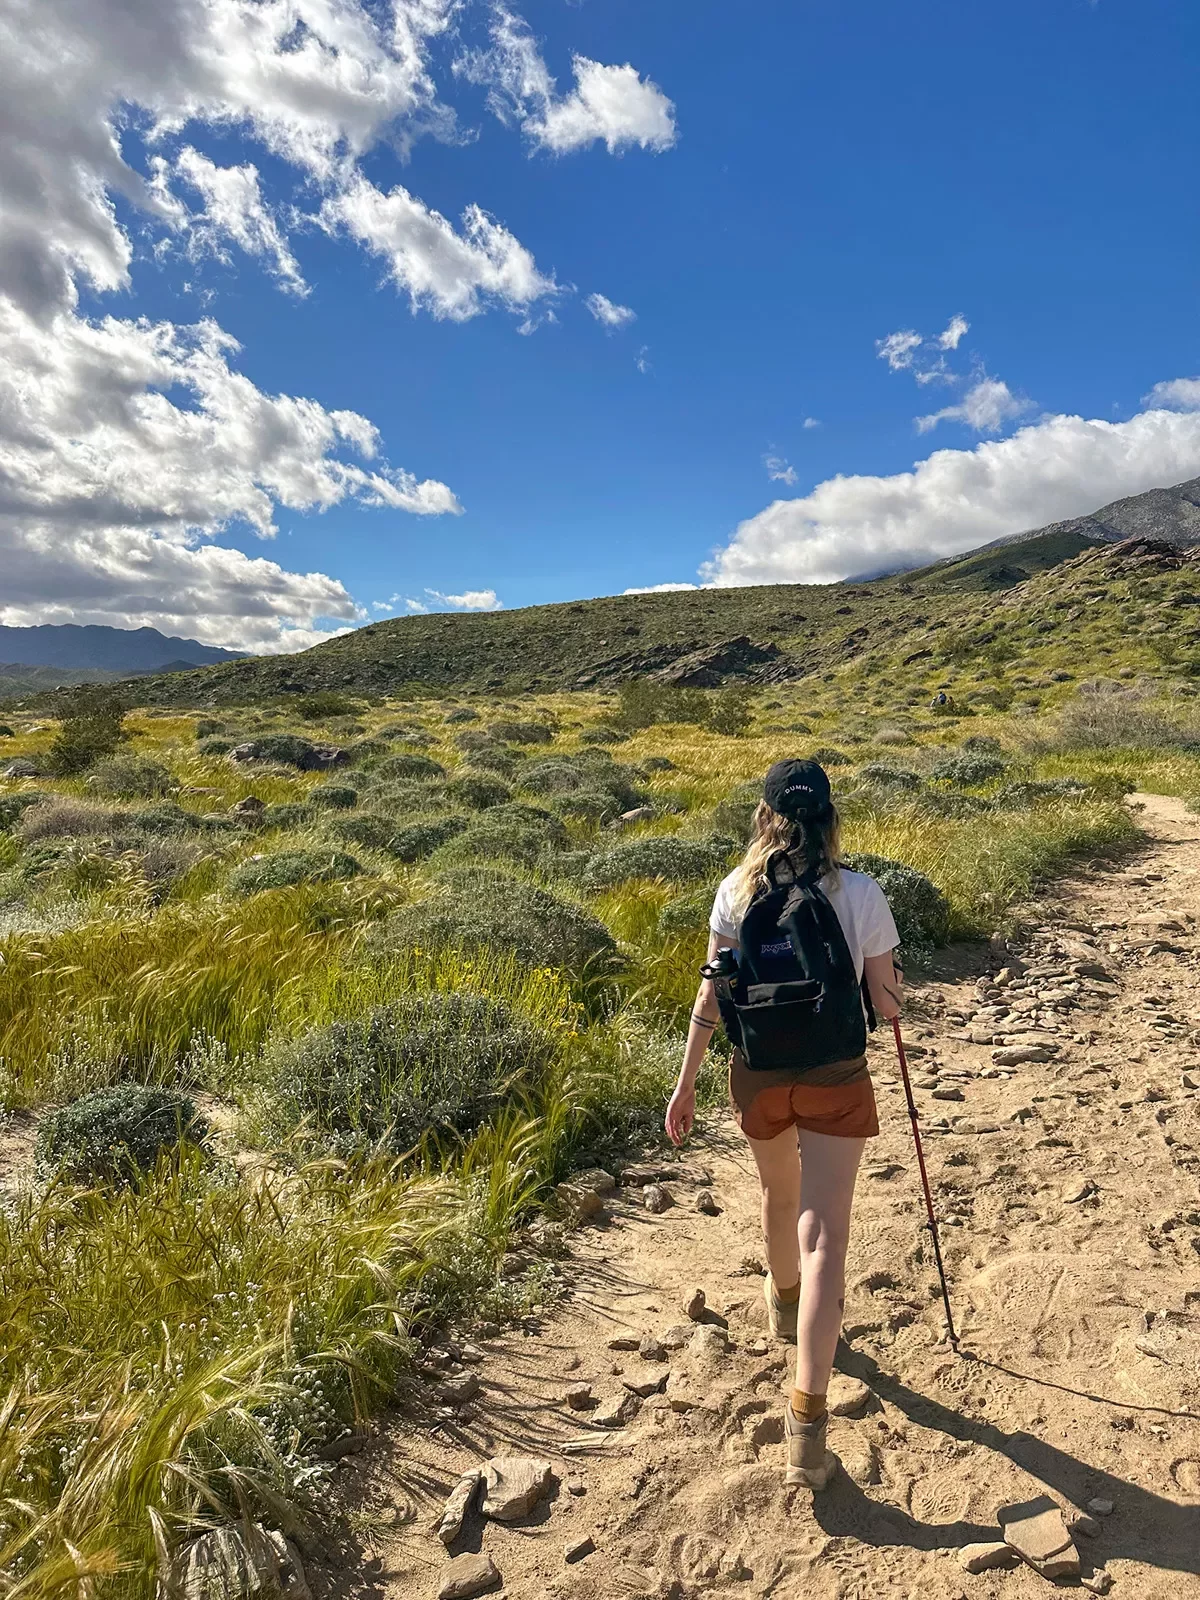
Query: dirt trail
1068	1193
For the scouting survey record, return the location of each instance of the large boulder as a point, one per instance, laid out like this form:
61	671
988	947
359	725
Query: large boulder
290	750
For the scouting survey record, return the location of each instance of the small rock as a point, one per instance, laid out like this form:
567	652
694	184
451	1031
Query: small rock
468	1575
1019	1055
678	1335
579	1201
652	1349
581	1547
759	1347
595	1178
1098	1582
1080	1522
1075	1192
625	1341
515	1484
617	1410
694	1305
230	1561
458	1504
575	1485
987	1557
638	814
644	1387
1037	1531
656	1198
706	1205
752	1267
847	1395
1100	1508
1189	1081
457	1391
945	1093
580	1397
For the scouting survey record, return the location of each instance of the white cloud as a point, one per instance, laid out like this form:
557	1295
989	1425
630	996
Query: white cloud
1179	394
899	349
665	588
954	334
642	360
472	600
987	405
811	422
234	209
613	104
780	470
450	274
956	500
608	312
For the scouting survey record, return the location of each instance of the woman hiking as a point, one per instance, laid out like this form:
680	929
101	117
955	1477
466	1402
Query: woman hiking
806	933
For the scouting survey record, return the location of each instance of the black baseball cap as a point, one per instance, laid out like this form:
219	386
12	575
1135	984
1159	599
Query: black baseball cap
798	790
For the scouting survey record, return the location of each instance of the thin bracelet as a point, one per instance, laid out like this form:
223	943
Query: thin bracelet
702	1022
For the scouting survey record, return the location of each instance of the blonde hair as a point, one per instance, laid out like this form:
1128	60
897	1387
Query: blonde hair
807	844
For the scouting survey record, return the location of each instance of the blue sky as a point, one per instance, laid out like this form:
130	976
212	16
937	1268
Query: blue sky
789	185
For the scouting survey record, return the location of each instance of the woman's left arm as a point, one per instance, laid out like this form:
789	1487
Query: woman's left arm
883	985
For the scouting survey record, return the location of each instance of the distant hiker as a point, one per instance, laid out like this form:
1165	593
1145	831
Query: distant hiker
798	944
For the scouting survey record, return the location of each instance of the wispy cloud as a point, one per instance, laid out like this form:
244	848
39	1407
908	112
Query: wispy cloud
779	469
987	405
608	312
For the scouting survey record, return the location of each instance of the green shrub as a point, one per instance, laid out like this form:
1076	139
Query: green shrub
603	735
130	777
209	725
666	856
553	775
14	806
405	733
969	771
367	752
588	805
430	1064
114	1135
333	797
219	745
287	750
826	757
495	837
479	791
472	739
291	866
93	727
590	771
62	816
983	744
409	765
462	714
882	775
169	818
323	703
366	829
522	732
421	839
735	814
488	909
657	764
408	799
731	710
289	814
497	758
686	913
919	907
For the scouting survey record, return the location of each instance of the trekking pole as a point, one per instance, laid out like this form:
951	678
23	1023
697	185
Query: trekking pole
933	1232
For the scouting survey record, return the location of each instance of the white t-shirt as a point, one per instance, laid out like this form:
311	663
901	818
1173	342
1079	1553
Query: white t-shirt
860	903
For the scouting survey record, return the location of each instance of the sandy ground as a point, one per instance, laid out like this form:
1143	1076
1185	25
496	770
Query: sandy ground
1070	1210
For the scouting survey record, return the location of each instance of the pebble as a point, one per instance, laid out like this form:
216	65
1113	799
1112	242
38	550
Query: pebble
577	1551
1098	1582
759	1347
468	1575
656	1198
987	1557
575	1484
847	1395
1100	1508
580	1397
706	1204
695	1304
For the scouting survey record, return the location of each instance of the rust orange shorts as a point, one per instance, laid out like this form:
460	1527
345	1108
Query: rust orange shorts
846	1110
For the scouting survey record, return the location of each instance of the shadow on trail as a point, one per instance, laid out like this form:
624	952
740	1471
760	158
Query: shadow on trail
1147	1527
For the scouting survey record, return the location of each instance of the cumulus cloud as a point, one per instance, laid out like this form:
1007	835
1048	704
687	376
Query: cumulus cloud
779	470
608	312
665	588
472	600
451	274
235	211
987	405
956	500
1179	394
612	104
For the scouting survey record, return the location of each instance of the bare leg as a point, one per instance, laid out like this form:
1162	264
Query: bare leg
778	1162
829	1167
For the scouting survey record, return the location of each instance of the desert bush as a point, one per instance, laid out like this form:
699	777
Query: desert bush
494	911
323	703
882	775
64	817
129	777
588	805
653	764
686	913
405	733
411	798
285	816
735	813
286	750
333	796
92	728
421	839
424	1066
919	907
890	733
554	775
497	836
731	710
461	714
114	1135
827	757
602	734
982	744
289	867
367	752
522	732
169	818
479	791
367	829
14	806
666	856
407	764
209	725
1105	713
165	860
969	771
497	758
472	739
217	745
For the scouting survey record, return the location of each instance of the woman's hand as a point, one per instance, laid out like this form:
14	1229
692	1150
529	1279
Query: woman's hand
681	1113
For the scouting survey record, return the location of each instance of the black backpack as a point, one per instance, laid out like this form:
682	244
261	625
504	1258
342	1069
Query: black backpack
792	999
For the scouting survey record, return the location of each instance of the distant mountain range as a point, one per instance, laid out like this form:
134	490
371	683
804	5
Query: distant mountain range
1172	516
69	647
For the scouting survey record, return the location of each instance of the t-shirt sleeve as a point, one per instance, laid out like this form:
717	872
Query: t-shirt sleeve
879	933
722	920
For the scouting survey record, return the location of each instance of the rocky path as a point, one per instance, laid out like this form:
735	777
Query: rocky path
1061	1107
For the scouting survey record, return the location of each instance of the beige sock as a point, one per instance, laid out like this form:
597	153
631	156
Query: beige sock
807	1407
786	1297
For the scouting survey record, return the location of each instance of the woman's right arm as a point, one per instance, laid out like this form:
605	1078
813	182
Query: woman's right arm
681	1110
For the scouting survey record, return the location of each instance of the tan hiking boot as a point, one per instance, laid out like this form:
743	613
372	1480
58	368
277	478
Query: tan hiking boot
781	1314
808	1461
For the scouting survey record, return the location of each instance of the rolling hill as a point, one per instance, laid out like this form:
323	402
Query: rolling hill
92	648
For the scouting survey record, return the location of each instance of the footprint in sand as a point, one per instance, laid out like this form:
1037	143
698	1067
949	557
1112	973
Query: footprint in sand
1185	1474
